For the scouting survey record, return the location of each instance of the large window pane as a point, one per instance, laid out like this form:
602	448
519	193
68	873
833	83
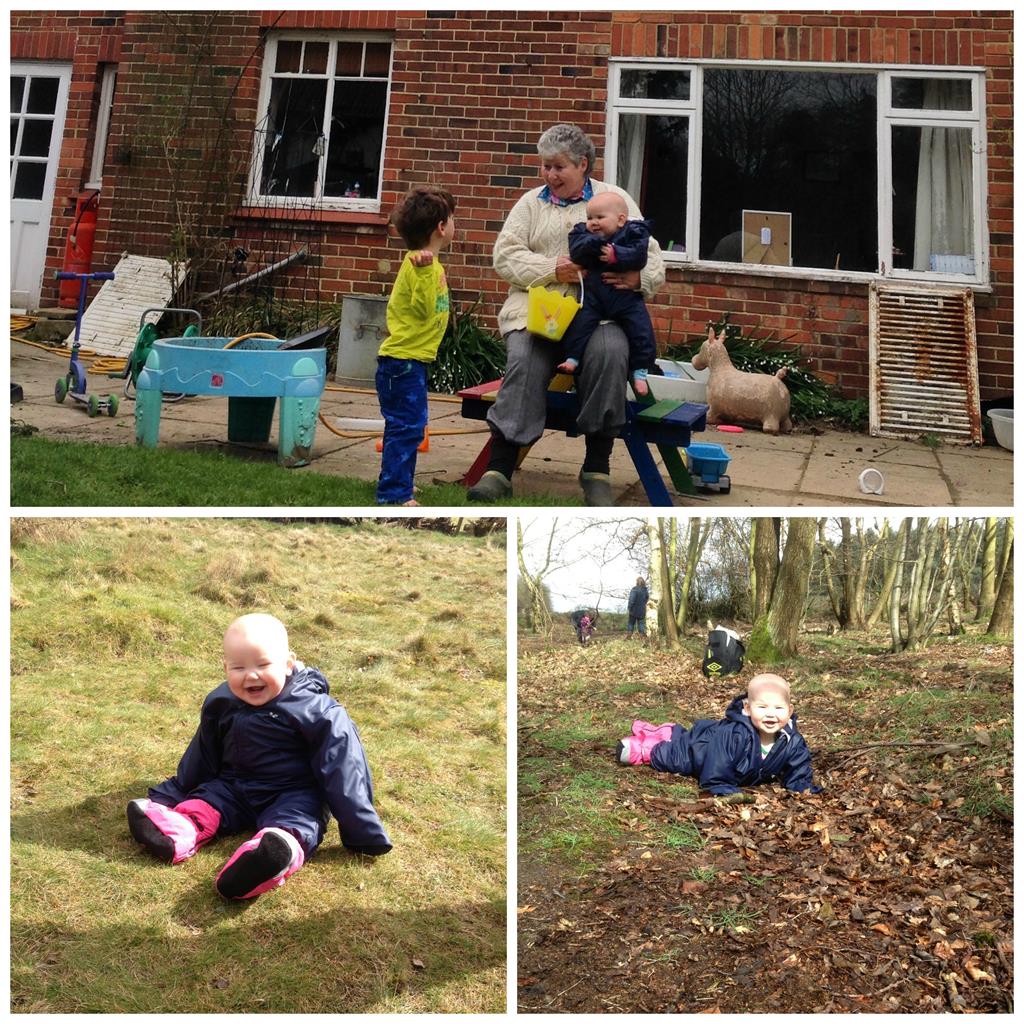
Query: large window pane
17	93
653	163
357	133
802	143
933	204
293	137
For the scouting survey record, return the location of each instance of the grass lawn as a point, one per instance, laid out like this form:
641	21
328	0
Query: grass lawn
115	639
49	472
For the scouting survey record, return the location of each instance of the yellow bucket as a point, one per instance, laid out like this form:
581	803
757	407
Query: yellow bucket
549	313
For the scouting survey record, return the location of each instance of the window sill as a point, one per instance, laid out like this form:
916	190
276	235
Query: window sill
355	217
824	276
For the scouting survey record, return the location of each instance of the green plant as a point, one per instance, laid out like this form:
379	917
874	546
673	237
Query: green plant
702	874
469	354
685	836
811	398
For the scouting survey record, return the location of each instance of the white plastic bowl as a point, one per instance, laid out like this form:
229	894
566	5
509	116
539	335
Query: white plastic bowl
1002	424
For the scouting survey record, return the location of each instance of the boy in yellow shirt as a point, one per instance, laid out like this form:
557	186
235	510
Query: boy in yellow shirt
417	320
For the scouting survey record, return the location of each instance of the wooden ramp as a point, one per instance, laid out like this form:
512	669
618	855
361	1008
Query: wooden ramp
110	324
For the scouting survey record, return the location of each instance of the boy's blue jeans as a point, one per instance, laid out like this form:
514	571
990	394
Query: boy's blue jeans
402	392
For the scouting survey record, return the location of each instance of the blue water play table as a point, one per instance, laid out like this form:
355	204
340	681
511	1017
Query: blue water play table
253	375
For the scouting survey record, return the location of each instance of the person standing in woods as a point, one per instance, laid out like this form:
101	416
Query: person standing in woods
636	607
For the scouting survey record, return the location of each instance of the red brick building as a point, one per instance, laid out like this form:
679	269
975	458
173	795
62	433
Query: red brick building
787	159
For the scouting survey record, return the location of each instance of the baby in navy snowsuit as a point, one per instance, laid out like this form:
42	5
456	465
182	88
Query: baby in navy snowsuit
756	742
609	240
273	753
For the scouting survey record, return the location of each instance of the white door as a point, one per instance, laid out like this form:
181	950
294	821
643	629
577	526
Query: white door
39	101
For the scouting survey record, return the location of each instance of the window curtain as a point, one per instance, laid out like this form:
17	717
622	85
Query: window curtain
944	223
632	140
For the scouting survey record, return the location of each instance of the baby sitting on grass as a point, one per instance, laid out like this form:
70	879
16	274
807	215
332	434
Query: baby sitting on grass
273	753
756	742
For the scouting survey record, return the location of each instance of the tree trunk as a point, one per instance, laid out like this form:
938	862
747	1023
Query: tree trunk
987	587
1001	623
896	597
764	563
539	617
696	539
894	569
828	561
659	558
774	636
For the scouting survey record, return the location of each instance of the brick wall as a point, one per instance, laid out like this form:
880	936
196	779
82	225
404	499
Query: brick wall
471	93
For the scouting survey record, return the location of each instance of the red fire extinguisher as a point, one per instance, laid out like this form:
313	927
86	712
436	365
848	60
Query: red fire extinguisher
78	250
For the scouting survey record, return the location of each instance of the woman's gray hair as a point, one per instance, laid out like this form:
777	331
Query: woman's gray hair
570	140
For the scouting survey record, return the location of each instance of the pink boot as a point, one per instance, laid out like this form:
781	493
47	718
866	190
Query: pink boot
260	864
172	835
636	749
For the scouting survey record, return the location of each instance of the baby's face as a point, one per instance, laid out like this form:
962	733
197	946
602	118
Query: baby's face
769	712
604	218
256	669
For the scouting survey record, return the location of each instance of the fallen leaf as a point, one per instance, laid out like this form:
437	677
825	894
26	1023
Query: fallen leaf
883	928
417	964
976	973
221	982
528	909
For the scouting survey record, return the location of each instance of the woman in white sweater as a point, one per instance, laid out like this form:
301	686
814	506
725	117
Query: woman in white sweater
533	248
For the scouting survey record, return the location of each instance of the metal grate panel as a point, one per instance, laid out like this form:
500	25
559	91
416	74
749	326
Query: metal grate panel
923	363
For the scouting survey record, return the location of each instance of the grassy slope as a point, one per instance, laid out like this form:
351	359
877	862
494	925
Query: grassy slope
48	472
116	627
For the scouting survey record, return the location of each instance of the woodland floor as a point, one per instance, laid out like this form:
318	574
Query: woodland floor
891	891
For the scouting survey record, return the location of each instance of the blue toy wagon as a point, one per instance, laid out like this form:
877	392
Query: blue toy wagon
707	464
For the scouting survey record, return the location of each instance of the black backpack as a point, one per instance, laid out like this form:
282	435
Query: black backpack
723	654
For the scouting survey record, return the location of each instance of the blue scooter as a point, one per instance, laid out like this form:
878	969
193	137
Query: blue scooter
74	383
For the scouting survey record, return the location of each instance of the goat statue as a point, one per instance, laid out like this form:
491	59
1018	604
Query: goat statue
735	395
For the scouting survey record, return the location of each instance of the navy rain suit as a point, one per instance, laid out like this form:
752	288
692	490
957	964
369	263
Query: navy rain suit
725	754
604	301
285	763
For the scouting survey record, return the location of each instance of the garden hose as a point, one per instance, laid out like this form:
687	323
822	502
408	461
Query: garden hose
365	435
252	334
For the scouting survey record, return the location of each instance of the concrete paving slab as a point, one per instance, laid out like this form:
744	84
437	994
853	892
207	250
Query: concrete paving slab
804	469
976	480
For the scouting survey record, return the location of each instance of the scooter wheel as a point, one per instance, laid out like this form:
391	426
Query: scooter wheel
60	389
112	405
93	406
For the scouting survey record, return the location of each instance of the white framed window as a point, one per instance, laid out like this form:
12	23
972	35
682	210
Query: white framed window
322	123
870	171
108	84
